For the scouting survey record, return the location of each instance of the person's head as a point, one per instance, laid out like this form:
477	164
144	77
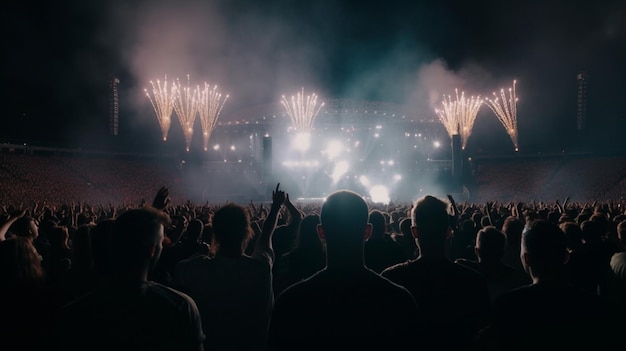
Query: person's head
621	231
544	251
194	231
513	228
485	221
379	225
573	235
602	223
591	232
396	217
307	235
25	227
405	227
138	235
231	229
344	222
477	217
490	244
431	226
59	237
19	262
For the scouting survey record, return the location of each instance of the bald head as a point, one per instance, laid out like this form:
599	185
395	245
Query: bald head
344	217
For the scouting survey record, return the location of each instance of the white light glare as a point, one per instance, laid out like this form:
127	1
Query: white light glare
333	149
364	181
341	168
302	142
379	194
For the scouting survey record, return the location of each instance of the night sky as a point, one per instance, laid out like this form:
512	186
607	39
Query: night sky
58	56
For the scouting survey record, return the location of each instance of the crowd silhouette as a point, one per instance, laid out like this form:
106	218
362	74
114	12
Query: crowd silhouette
435	274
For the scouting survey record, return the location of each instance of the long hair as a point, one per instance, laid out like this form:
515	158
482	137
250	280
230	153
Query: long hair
19	262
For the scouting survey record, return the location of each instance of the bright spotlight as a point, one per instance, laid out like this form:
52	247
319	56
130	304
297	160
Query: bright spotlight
364	181
436	144
301	142
379	194
216	147
397	177
333	149
232	147
341	168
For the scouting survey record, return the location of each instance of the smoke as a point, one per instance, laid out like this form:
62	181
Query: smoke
249	53
435	80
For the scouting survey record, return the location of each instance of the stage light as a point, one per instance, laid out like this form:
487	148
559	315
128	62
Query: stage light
436	144
301	142
364	181
333	149
340	169
379	194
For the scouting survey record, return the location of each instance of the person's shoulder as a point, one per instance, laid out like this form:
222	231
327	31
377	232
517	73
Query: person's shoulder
468	272
398	269
171	295
316	281
473	265
194	261
394	287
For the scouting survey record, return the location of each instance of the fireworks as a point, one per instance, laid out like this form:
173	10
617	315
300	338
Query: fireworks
210	105
186	107
458	116
302	110
506	111
163	104
448	116
467	110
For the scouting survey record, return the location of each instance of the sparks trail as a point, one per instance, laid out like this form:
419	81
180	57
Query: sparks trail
302	110
163	104
210	104
458	116
186	107
506	111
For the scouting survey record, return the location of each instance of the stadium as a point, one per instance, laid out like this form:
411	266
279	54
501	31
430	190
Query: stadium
375	148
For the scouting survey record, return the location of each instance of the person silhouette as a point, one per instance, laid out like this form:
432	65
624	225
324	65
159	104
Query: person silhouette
131	312
346	303
550	313
453	300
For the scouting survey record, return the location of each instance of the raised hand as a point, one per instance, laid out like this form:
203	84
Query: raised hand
161	199
278	197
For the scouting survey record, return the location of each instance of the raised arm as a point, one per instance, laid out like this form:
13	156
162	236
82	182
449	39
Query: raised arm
455	209
264	242
6	225
295	214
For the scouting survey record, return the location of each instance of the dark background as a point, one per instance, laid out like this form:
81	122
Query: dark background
58	58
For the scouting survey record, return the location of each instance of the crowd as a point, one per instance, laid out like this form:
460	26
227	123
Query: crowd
585	178
91	258
434	274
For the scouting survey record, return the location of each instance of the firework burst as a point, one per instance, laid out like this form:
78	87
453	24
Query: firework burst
186	107
163	103
210	104
458	116
302	110
467	110
449	116
505	109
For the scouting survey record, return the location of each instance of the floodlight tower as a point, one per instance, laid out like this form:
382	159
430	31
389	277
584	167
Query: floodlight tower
114	107
581	108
